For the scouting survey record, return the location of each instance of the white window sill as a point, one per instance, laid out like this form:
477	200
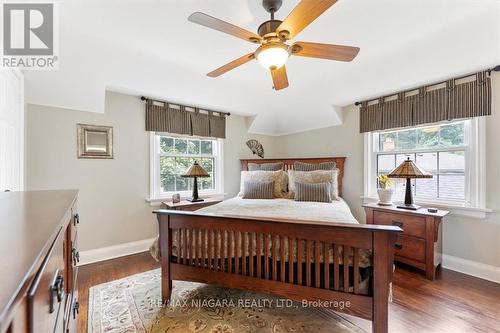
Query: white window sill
156	202
474	212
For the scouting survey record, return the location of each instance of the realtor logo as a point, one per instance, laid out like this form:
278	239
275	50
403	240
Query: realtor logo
29	36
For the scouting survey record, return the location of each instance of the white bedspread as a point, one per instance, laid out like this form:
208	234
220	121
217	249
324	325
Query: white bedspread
336	211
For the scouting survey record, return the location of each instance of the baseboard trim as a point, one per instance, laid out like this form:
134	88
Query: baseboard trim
115	251
474	268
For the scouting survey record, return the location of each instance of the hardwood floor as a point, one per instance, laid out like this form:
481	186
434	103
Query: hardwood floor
454	302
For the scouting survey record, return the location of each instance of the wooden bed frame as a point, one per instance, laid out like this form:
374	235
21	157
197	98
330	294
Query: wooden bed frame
268	271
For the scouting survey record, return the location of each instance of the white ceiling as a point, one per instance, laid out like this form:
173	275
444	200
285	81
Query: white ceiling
148	47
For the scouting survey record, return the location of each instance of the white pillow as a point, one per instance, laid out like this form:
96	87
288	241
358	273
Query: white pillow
313	177
262	176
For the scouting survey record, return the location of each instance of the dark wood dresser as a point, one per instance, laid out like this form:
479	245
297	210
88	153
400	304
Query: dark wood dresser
420	245
39	255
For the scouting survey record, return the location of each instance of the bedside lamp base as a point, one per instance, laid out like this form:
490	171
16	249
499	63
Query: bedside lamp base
409	206
409	198
195	197
195	200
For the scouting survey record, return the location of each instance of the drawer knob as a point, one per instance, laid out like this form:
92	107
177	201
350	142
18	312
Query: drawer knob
76	256
397	224
57	290
398	246
76	309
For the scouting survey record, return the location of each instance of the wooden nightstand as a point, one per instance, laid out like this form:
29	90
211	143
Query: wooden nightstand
420	244
188	205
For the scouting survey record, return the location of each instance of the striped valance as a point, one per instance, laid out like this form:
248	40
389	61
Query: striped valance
454	99
180	119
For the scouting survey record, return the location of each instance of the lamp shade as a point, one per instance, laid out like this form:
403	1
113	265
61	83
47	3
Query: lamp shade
408	169
195	170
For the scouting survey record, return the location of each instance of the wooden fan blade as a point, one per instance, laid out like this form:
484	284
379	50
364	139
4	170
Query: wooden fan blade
325	51
223	26
233	64
303	14
280	79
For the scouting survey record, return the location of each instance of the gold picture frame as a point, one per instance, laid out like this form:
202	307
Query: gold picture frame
95	141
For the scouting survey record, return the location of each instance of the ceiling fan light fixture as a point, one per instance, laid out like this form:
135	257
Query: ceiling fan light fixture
273	36
272	55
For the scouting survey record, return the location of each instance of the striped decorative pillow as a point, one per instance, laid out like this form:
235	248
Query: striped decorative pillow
319	192
265	166
301	166
258	190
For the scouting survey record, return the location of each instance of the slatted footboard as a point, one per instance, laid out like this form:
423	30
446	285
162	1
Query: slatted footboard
306	261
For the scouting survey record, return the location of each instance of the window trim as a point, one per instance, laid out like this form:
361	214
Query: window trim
154	170
475	185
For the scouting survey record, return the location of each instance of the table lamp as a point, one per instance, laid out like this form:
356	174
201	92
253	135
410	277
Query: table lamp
195	171
409	170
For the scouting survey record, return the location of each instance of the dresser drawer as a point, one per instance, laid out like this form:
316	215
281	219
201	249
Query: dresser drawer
410	247
411	225
47	292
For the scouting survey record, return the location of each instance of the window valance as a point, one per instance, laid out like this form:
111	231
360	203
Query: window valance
180	119
454	99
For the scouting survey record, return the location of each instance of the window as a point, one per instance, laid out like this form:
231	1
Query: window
172	157
449	151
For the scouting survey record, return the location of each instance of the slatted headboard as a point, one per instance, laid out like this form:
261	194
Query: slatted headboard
288	164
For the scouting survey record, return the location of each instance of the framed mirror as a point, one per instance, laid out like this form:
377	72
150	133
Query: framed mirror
95	141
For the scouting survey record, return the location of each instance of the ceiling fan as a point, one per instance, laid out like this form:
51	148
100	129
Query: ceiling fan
273	35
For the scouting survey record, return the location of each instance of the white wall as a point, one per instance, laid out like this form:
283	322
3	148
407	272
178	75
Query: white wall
112	192
11	130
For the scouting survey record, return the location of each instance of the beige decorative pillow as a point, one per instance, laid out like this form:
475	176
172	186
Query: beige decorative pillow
313	177
271	167
262	176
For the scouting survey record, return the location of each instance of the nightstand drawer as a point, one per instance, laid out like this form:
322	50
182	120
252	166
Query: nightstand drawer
190	206
411	225
410	247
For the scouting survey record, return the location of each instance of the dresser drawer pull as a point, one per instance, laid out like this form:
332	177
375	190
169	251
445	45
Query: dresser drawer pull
57	290
76	309
76	219
76	256
398	246
397	224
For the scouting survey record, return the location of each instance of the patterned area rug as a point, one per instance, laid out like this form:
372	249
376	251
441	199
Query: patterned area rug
133	304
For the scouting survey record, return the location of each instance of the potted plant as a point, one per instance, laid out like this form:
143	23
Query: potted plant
385	190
